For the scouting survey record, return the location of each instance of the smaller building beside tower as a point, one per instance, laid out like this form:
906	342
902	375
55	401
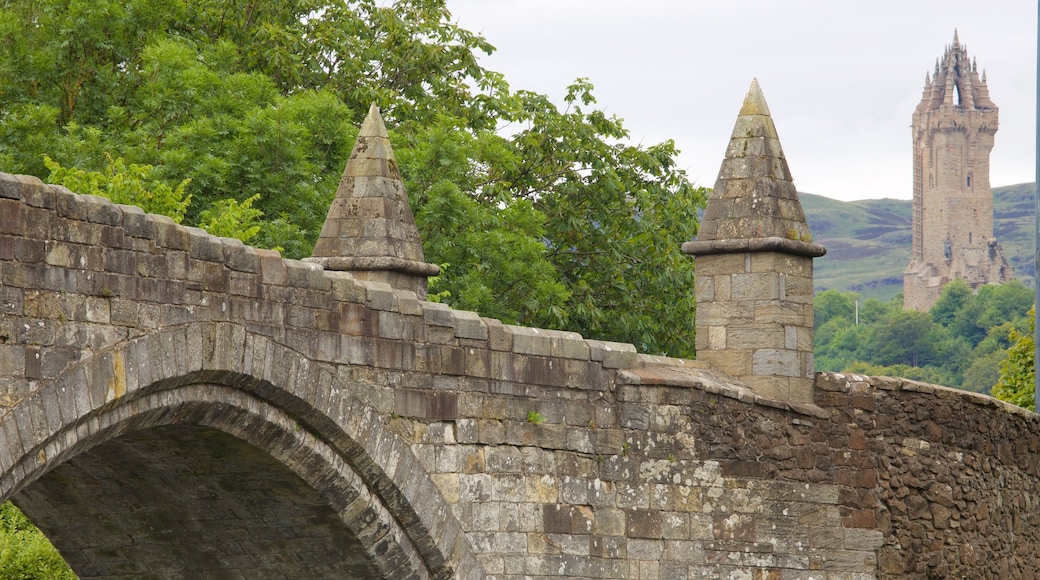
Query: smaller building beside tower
953	129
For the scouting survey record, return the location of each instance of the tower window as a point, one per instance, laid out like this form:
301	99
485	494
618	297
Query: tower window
969	180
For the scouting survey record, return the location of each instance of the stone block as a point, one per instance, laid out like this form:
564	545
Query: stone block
272	267
305	275
759	286
204	246
681	550
779	262
11	220
609	521
620	359
500	337
722	264
509	488
599	349
530	340
770	387
779	312
643	524
725	313
540	370
240	257
380	296
704	288
437	314
469	325
136	223
755	337
542	489
568	345
10	187
776	361
736	363
799	289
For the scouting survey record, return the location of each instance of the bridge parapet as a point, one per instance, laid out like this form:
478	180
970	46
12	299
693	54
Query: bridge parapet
106	309
176	404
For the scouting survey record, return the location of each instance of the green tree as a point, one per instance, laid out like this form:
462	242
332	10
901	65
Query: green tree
554	221
1017	383
904	337
25	554
991	306
954	297
831	304
984	372
126	184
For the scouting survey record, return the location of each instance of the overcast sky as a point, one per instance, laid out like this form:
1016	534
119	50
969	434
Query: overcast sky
841	78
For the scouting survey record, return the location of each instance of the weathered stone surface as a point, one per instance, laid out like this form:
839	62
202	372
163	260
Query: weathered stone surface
370	230
754	266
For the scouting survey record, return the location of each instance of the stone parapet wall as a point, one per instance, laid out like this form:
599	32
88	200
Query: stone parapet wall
957	487
672	474
498	451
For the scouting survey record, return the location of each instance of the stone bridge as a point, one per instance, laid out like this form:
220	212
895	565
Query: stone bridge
174	404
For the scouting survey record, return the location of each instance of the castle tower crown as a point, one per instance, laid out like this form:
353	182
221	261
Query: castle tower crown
953	129
956	82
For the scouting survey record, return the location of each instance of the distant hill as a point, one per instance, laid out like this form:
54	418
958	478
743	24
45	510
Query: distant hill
868	241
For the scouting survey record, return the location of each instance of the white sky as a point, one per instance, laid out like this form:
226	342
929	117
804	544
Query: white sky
841	78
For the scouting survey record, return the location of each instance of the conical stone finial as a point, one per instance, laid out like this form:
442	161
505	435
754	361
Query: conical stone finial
754	202
754	283
370	230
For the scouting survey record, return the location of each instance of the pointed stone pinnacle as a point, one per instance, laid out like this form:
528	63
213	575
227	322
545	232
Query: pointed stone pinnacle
754	205
369	230
755	101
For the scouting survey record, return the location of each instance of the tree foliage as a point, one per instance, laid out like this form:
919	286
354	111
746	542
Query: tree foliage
1017	383
25	554
131	185
543	215
960	342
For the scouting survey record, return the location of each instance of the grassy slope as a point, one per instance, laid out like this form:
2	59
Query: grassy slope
868	241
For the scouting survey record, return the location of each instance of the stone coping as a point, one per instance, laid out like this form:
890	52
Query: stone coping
366	263
737	246
661	371
846	382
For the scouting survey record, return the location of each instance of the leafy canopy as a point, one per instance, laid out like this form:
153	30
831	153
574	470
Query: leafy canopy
1017	384
960	342
238	116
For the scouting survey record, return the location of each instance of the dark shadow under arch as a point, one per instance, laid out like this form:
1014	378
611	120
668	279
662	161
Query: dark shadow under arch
184	500
178	464
302	413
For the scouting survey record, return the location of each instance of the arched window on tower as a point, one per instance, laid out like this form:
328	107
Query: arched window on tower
969	180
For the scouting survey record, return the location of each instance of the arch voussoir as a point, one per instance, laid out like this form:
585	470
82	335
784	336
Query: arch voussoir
222	376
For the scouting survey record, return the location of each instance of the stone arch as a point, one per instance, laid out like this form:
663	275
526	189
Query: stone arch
176	386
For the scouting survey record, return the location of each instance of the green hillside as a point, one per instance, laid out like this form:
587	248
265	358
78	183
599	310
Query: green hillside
868	241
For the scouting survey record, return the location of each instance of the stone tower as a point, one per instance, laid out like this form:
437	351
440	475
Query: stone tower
754	284
953	130
369	230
